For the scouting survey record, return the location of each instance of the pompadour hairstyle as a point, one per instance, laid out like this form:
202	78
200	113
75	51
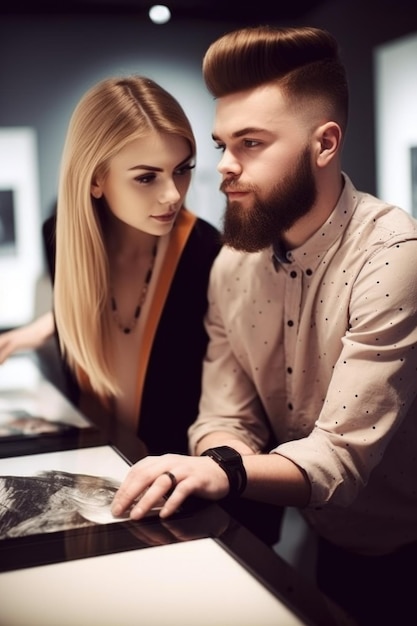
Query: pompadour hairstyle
304	61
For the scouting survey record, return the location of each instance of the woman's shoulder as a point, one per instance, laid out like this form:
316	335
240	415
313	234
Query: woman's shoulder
207	229
202	225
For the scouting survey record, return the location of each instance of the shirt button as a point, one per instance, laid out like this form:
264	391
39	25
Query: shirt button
290	323
293	274
289	370
309	272
290	406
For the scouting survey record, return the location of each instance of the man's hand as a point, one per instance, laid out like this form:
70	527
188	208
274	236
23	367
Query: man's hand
170	476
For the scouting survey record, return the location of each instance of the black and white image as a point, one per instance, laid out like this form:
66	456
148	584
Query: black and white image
53	500
16	423
45	493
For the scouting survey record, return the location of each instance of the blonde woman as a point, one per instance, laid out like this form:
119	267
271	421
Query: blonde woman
130	264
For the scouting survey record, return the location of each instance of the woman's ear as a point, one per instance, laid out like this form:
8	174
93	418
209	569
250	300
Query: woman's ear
329	142
96	190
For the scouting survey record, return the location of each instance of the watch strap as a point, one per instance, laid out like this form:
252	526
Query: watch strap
232	464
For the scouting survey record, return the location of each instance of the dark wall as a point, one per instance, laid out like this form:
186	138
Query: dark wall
361	26
47	62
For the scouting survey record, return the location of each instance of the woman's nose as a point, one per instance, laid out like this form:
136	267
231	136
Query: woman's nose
169	194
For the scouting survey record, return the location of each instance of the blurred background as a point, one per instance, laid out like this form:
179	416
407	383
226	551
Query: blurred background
52	52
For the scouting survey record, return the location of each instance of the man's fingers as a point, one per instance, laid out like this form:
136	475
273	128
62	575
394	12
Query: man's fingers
176	498
160	493
125	497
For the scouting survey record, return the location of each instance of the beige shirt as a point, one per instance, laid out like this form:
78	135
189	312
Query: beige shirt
325	351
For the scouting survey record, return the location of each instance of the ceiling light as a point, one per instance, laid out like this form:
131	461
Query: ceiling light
159	14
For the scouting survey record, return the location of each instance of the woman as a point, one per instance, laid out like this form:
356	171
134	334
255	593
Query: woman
131	274
131	265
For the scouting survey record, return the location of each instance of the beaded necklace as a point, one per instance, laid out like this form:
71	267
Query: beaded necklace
128	328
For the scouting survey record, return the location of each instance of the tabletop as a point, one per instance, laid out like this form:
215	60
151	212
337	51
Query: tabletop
72	562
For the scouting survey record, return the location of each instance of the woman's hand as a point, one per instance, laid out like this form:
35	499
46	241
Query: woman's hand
170	476
28	337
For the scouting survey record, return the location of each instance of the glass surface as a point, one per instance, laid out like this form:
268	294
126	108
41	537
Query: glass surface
34	415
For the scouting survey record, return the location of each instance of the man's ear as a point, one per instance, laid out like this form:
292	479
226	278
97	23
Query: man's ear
328	141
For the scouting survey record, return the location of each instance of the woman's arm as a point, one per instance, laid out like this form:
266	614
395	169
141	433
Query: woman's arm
27	337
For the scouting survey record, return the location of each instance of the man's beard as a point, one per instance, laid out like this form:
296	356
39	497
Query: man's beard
256	228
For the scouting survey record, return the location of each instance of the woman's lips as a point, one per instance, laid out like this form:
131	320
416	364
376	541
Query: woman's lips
166	217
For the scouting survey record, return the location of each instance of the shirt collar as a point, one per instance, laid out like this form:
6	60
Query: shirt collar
279	255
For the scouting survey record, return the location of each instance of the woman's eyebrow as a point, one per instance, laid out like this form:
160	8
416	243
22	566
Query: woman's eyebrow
151	168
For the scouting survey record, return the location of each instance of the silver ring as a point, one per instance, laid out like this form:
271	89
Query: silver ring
173	483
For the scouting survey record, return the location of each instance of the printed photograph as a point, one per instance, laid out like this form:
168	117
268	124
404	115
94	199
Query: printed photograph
16	423
46	493
30	406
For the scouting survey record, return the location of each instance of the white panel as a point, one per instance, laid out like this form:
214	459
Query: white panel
20	226
396	118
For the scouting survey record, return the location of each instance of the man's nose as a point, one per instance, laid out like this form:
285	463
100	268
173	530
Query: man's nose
229	165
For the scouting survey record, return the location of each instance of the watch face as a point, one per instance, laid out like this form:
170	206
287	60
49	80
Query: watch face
231	462
226	453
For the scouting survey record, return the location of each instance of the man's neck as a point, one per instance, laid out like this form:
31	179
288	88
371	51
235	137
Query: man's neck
328	194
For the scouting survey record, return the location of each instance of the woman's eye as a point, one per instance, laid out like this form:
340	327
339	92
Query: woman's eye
220	146
147	178
251	143
184	169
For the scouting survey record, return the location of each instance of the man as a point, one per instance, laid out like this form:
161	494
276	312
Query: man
312	324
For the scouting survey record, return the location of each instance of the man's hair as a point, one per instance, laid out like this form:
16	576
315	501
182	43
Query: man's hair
303	61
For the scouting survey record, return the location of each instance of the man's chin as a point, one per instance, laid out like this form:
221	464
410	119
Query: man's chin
243	245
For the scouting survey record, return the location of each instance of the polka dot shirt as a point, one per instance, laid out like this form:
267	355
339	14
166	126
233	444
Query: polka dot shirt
320	346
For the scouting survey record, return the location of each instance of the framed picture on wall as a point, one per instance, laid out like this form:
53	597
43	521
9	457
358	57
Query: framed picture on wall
413	154
20	226
7	223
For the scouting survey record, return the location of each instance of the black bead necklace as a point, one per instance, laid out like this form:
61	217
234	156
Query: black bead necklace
128	328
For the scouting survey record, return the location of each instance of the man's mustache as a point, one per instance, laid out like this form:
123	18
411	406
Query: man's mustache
232	184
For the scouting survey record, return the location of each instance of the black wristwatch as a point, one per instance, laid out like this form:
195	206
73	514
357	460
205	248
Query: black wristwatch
231	463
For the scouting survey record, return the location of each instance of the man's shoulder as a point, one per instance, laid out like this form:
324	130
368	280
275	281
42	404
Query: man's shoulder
386	221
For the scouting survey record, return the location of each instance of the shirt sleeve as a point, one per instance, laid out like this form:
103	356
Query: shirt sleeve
373	386
229	400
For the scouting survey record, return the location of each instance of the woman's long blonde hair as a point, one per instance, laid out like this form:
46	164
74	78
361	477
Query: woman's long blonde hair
110	115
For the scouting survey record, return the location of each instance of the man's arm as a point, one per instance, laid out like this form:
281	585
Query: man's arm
220	438
270	478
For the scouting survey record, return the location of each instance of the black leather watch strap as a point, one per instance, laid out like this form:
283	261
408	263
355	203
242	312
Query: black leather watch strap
231	463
